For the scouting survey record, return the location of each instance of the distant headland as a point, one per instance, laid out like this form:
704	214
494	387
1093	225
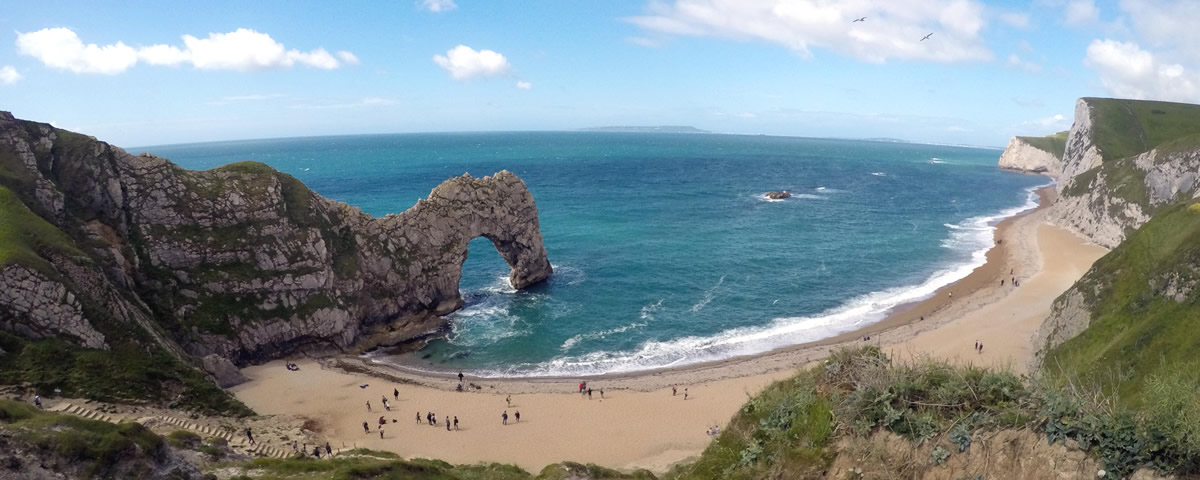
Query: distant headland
644	129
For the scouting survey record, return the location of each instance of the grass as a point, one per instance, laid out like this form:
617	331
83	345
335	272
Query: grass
129	372
97	447
1054	144
23	235
1136	331
362	463
1123	128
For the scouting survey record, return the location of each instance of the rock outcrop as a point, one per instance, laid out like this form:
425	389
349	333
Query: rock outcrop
1023	156
778	195
242	261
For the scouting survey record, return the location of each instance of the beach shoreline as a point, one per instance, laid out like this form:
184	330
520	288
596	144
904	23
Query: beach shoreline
999	258
656	428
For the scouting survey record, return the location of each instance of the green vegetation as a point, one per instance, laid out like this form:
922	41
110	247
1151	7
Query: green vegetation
1123	128
1054	144
1138	330
362	463
129	372
791	428
95	446
23	235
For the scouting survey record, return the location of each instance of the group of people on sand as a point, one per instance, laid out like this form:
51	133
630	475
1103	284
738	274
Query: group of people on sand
584	389
978	347
675	391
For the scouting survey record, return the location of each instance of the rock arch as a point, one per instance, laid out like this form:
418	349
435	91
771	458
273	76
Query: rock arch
438	229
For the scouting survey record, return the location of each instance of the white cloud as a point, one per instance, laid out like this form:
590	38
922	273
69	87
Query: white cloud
246	98
242	50
893	29
9	75
1052	121
1082	12
61	48
1127	70
645	41
1169	25
364	102
349	58
464	62
523	85
1015	61
438	6
1015	20
746	115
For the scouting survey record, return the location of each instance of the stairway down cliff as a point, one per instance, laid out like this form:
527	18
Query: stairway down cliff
240	261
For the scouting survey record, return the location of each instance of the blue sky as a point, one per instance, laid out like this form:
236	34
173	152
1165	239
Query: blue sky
125	72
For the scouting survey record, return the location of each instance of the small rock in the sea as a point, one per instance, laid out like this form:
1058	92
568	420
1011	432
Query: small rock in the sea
778	195
426	356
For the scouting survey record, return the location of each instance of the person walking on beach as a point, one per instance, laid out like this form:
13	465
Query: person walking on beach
366	428
328	450
460	377
396	394
518	415
508	400
368	405
381	433
602	394
589	394
433	419
456	422
685	394
317	452
249	436
981	348
673	391
447	424
504	418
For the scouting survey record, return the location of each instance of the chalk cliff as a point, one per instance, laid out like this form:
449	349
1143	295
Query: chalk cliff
241	261
1032	155
1124	163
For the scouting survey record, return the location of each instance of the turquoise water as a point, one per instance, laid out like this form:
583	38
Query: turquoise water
665	251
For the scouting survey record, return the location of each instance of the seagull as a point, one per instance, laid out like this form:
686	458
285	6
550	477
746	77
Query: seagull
859	19
926	37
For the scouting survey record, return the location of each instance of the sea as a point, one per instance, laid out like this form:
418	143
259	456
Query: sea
665	250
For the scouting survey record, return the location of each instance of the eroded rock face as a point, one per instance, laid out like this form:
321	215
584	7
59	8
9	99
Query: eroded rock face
33	305
1023	157
778	195
1081	154
245	262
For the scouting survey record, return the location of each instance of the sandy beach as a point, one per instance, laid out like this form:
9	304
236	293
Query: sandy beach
639	423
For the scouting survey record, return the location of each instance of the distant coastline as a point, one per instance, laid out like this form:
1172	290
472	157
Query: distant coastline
646	129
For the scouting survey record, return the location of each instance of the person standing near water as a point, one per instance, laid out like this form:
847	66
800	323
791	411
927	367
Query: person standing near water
508	400
460	377
456	422
518	416
368	405
366	428
685	394
504	418
396	393
673	391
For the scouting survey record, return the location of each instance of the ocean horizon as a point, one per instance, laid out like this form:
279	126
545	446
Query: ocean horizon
666	252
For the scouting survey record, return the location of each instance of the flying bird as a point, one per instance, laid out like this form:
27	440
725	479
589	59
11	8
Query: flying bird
926	37
859	19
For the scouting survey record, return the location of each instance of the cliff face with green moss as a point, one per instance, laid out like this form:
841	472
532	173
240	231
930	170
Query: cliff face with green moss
240	263
1129	183
1125	160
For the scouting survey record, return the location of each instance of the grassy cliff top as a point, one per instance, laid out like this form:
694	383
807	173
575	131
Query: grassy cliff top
1122	128
1145	308
1054	144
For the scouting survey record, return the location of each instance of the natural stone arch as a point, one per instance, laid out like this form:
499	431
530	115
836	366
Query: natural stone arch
438	229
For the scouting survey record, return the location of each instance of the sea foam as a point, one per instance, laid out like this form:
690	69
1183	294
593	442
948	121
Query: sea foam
973	234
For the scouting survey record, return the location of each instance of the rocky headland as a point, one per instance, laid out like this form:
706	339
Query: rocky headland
233	265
